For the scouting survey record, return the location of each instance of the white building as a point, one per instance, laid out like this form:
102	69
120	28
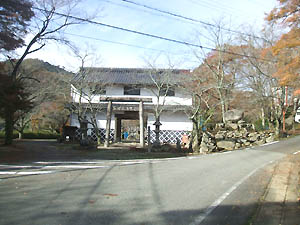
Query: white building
127	89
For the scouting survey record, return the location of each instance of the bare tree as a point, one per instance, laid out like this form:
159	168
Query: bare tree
87	92
203	107
217	64
256	75
163	84
48	25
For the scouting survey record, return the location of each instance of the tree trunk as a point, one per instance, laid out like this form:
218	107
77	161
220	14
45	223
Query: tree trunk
98	140
157	131
293	123
98	136
263	118
223	110
9	127
20	135
277	127
196	144
196	133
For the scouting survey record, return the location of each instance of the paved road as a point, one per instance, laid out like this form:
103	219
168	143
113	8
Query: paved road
214	189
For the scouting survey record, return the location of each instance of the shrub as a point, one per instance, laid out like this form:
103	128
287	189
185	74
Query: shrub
33	135
259	127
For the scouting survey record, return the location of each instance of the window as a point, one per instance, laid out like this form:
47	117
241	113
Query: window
98	90
132	91
167	92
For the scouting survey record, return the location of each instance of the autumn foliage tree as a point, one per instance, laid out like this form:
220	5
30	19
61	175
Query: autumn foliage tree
54	115
287	47
219	70
204	104
49	92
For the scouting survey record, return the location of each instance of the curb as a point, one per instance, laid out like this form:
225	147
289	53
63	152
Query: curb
279	204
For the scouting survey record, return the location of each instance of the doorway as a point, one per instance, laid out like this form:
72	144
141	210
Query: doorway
130	130
128	126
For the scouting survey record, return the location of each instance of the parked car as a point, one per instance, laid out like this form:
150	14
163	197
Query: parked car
297	116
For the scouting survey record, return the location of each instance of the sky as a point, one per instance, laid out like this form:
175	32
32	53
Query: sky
108	47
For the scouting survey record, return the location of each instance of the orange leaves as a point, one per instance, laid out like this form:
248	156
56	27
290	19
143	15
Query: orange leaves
265	52
288	64
271	15
288	41
288	70
297	92
287	49
287	13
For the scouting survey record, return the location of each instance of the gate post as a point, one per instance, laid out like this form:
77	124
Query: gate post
142	130
108	122
117	129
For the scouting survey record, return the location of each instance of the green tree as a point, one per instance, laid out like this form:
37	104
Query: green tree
13	98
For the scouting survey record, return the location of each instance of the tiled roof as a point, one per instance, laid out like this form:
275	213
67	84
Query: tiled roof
131	75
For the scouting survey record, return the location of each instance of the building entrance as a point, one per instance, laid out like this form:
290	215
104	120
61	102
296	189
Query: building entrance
128	126
130	131
125	112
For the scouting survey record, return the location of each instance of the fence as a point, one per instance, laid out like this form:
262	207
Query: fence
165	136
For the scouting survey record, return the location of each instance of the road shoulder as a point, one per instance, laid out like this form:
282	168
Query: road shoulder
280	204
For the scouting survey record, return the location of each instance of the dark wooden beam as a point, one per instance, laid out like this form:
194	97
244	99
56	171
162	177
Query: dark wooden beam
125	99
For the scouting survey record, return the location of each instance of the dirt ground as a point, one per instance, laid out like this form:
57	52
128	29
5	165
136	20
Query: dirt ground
39	150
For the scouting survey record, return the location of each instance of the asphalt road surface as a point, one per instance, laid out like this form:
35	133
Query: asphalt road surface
221	188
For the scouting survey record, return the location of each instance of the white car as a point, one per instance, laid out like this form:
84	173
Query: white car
297	116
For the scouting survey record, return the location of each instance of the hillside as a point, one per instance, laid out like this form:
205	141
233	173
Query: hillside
37	64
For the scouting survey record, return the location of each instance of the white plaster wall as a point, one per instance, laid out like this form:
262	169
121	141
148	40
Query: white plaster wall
101	120
84	99
180	97
171	121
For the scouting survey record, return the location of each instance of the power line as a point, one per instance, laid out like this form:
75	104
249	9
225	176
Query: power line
152	13
217	5
119	43
146	11
147	34
188	18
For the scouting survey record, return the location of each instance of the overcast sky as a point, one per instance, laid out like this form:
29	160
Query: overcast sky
116	48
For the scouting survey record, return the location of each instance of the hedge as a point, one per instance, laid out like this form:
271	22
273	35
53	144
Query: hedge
33	135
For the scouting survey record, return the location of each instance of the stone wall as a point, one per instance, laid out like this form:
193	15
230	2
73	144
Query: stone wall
234	139
235	134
